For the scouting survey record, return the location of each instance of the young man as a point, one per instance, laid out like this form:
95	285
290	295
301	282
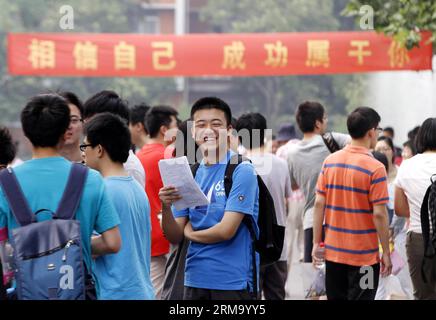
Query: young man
45	119
352	191
159	120
219	260
126	274
137	125
70	149
305	160
274	172
109	101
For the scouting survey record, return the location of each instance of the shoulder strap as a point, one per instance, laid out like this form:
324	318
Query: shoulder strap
73	192
228	181
234	161
15	197
330	142
425	225
194	168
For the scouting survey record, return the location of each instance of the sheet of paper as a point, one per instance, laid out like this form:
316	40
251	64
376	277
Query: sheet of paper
177	172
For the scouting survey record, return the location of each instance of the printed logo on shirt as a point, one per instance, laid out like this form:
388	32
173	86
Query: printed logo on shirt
219	189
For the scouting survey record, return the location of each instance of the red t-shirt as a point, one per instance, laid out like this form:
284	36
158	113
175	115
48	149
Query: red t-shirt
149	155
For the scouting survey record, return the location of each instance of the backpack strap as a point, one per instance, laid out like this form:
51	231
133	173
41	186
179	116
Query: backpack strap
194	168
330	142
15	197
73	192
228	182
425	225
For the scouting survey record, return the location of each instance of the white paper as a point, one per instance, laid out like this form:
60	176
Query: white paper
176	172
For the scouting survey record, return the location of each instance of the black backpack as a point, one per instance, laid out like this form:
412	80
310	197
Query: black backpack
428	216
269	245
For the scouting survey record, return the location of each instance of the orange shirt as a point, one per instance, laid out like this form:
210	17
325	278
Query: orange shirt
352	181
149	155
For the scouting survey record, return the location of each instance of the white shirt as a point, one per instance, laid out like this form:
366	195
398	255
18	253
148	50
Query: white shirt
414	178
135	169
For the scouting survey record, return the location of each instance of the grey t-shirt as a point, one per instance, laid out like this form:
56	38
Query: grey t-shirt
305	160
274	173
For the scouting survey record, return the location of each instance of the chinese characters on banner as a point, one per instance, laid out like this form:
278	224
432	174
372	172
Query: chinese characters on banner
118	55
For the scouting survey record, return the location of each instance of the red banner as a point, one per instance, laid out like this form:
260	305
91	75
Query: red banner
260	54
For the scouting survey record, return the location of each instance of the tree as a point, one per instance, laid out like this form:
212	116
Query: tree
89	16
402	19
277	97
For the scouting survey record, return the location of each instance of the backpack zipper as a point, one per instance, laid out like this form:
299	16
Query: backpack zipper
67	246
46	253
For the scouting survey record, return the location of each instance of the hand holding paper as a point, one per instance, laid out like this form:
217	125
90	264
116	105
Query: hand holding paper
176	172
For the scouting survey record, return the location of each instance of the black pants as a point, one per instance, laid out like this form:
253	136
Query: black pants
345	282
210	294
273	280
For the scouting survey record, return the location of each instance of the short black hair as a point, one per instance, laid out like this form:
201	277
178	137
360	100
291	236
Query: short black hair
382	158
361	120
106	101
45	119
72	98
252	121
426	137
212	103
410	144
390	130
390	144
112	133
307	114
7	147
158	116
137	114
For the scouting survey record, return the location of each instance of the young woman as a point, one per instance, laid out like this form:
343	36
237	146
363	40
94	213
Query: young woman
412	181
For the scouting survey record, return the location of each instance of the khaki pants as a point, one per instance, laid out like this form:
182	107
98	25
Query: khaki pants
415	254
157	274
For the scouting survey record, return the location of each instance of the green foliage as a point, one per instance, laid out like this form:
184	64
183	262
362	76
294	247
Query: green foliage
277	97
110	16
402	19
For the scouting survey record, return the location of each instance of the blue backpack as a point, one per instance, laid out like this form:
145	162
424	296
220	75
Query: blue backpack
48	255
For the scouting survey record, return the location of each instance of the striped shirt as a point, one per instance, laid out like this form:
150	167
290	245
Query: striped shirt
352	182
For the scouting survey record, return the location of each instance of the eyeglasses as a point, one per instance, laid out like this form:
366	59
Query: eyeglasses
3	166
83	147
379	130
75	120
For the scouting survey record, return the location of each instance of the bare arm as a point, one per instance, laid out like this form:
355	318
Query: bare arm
381	225
108	242
172	227
318	219
222	231
401	203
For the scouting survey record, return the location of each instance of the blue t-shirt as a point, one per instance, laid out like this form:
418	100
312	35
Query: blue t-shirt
43	182
225	265
126	275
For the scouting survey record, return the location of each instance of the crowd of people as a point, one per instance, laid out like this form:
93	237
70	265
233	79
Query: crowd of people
352	202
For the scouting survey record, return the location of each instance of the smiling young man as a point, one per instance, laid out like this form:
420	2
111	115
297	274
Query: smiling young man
218	263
